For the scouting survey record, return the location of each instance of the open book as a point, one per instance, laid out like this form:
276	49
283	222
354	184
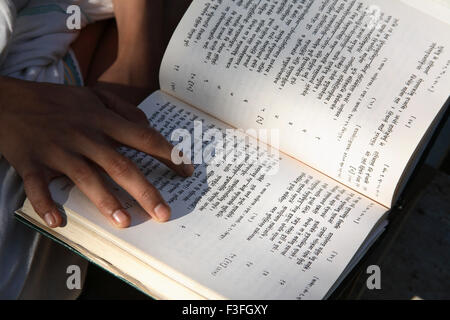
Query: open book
353	87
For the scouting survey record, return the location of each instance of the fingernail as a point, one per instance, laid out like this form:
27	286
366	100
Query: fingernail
188	169
120	217
162	212
50	219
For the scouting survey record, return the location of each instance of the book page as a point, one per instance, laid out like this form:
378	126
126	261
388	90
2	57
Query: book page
439	9
352	85
238	230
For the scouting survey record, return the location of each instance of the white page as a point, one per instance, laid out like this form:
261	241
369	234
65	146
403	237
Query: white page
354	107
439	9
213	242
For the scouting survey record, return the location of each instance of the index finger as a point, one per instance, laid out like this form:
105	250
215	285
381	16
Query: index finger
145	139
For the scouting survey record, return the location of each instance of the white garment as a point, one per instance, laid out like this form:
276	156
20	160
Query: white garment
34	38
41	37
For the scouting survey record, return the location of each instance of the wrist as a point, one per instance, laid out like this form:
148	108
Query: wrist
124	72
140	29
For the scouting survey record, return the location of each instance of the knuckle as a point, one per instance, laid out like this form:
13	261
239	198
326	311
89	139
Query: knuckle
119	166
66	135
81	135
81	173
40	205
105	205
52	145
150	137
32	182
30	177
148	195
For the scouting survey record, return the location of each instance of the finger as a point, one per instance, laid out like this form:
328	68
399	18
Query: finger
145	139
36	189
90	182
123	108
126	174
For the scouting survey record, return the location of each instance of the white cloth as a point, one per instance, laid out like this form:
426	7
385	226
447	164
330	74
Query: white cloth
33	40
41	37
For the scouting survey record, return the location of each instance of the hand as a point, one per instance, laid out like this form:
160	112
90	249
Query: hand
47	130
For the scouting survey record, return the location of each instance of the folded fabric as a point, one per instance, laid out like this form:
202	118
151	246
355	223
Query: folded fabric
40	36
7	18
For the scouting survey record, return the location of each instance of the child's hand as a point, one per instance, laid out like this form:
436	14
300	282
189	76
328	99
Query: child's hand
48	130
